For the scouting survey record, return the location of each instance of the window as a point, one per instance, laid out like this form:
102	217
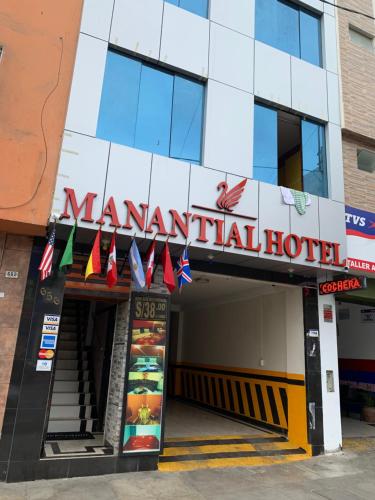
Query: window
199	7
361	39
289	151
366	160
290	28
150	109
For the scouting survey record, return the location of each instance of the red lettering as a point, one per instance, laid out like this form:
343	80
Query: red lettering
288	246
110	211
336	256
182	225
133	212
325	252
203	226
250	237
234	234
271	242
87	203
157	220
219	232
311	243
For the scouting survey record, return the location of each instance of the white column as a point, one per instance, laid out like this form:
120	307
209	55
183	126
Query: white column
329	361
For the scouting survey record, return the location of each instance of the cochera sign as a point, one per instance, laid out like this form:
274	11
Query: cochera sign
343	285
171	224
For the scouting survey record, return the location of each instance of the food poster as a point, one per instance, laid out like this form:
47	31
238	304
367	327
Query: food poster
145	375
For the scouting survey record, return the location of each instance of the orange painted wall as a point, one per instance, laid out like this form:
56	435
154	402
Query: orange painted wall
33	34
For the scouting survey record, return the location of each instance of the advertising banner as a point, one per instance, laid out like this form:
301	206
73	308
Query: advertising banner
144	381
360	231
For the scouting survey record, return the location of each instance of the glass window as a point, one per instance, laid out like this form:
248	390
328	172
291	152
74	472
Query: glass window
199	7
265	145
150	109
287	27
289	151
366	160
187	118
119	103
310	38
154	111
314	159
361	39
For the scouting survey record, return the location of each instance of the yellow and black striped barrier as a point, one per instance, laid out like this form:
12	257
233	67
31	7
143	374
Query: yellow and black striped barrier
255	396
183	454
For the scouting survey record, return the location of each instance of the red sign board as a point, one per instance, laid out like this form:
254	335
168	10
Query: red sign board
343	285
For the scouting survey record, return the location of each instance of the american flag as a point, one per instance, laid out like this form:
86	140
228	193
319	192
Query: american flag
45	266
183	270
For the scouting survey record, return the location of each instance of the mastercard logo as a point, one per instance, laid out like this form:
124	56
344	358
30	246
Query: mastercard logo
46	354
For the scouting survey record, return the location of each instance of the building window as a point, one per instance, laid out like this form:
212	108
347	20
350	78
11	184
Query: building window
199	7
289	151
366	160
290	28
147	108
361	39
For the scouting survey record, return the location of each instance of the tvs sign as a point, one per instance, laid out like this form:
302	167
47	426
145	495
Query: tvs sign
360	231
241	233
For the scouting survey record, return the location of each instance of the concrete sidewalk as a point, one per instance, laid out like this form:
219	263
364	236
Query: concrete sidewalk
348	475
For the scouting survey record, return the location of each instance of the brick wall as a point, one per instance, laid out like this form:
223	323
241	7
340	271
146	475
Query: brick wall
14	256
359	185
358	95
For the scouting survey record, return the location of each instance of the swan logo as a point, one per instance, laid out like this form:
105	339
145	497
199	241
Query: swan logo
229	199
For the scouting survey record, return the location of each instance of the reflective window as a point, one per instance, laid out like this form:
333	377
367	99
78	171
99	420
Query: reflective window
187	118
265	145
289	151
310	38
153	127
199	7
287	27
314	159
150	109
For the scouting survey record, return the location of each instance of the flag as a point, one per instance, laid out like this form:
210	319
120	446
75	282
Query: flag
136	266
94	265
67	258
183	270
45	266
168	276
150	260
112	263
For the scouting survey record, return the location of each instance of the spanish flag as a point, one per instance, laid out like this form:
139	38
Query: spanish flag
94	265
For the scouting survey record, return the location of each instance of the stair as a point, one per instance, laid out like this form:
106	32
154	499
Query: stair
73	407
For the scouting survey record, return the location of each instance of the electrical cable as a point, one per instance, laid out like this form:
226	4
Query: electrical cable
347	9
43	133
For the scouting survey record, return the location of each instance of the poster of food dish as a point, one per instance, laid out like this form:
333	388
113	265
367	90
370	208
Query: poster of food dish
146	373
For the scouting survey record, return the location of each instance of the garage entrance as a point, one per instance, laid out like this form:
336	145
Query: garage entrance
356	351
235	372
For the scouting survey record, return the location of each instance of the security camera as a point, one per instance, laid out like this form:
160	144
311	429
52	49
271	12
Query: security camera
346	269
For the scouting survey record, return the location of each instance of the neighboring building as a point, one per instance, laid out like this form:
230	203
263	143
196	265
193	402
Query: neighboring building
356	318
185	119
37	47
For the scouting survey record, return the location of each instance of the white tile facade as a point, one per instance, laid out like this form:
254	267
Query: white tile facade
238	70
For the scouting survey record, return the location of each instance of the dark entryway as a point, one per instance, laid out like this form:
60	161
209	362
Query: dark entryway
81	378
